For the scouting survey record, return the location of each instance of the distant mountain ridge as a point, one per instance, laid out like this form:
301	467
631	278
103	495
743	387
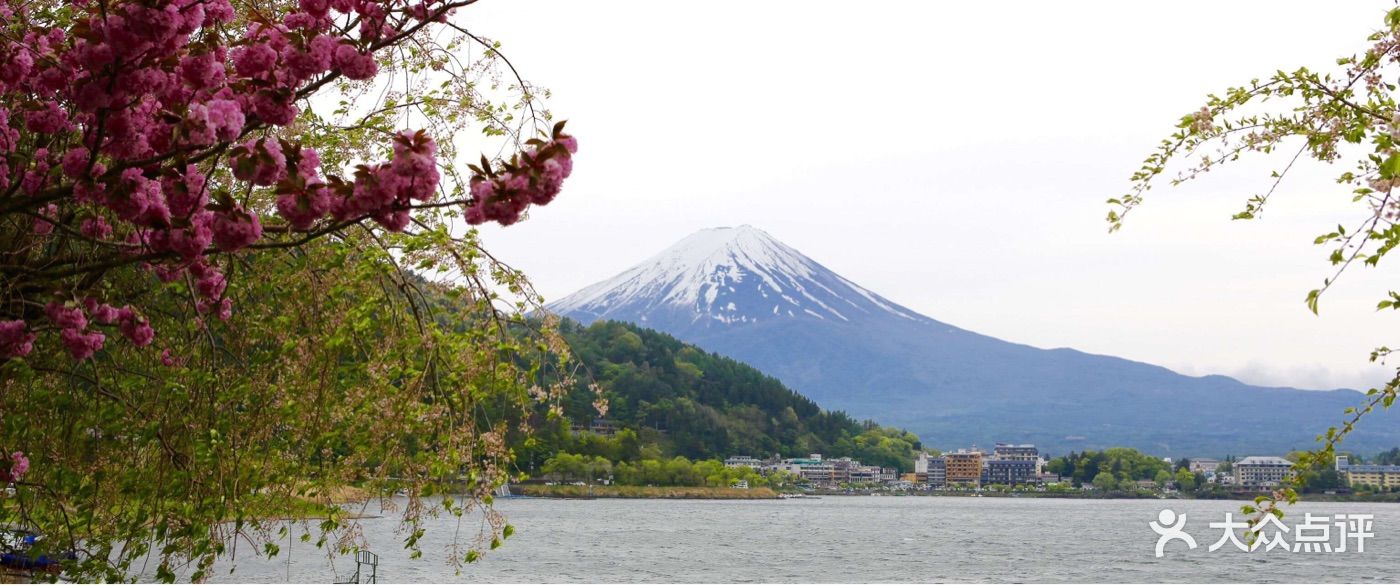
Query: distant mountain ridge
742	293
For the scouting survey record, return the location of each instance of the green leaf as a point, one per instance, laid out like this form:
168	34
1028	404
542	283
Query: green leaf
1390	168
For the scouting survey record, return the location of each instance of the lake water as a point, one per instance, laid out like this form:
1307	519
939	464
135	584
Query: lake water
880	539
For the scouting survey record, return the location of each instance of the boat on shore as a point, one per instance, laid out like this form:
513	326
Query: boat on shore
18	564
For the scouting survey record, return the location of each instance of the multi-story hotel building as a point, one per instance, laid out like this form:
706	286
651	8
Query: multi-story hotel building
1262	472
1380	476
963	467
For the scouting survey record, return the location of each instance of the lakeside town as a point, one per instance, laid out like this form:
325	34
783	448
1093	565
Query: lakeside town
603	458
1021	467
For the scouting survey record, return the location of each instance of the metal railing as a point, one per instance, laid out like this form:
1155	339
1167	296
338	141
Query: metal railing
365	560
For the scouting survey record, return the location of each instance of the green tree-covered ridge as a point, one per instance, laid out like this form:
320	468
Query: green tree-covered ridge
680	400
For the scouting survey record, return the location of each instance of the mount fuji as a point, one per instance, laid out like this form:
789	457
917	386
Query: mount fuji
741	293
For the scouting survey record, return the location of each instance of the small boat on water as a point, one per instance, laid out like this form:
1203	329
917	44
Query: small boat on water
17	558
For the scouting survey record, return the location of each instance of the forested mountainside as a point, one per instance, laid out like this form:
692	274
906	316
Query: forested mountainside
677	399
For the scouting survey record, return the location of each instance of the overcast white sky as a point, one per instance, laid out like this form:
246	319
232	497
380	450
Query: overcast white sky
955	157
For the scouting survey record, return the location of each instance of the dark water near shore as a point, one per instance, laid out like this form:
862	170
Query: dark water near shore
881	539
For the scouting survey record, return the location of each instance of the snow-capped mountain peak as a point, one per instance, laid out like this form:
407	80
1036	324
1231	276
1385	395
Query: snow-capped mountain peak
741	293
723	276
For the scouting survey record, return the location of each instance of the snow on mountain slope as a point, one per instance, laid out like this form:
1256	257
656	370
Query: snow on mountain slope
728	275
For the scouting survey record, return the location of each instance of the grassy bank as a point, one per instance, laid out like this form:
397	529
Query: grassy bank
308	504
646	492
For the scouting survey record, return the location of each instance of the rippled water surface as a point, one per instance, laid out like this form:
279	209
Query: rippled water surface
881	539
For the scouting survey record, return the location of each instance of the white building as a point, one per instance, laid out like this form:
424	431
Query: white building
743	461
1204	465
1262	472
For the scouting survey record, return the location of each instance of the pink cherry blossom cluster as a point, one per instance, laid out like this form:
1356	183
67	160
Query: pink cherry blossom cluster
19	466
210	285
15	339
531	177
81	340
168	359
111	128
386	192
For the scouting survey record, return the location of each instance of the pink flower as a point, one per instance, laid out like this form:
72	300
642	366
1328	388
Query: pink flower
15	339
275	107
217	11
137	197
317	8
300	21
137	330
538	180
202	72
49	120
64	316
254	60
309	161
321	52
43	225
19	466
302	209
261	162
483	190
514	181
476	213
16	65
225	118
353	64
75	162
96	228
545	191
210	283
157	211
414	161
569	143
167	358
81	345
394	221
101	312
236	229
192	241
185	193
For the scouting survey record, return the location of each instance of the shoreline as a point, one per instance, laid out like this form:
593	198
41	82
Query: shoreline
582	492
576	492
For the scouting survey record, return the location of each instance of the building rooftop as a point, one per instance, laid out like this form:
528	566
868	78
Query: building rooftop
1258	460
1372	468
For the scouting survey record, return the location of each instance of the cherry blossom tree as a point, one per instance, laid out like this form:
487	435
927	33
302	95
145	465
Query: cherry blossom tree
1349	117
236	271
